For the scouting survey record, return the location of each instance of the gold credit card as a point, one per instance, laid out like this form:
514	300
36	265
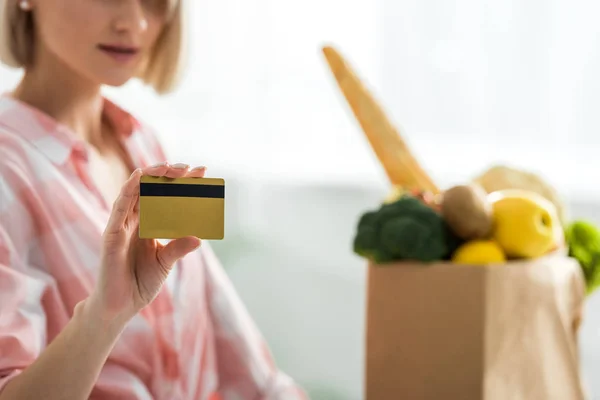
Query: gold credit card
171	208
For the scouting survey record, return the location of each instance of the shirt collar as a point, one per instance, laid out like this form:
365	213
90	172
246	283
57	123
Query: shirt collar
55	140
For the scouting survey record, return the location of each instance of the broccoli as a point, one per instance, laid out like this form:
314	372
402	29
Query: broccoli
406	229
453	242
583	240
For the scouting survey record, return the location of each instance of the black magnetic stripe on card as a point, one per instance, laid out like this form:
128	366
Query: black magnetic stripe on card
182	190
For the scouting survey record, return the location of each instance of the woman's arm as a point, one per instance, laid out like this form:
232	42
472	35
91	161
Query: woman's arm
68	368
246	369
132	272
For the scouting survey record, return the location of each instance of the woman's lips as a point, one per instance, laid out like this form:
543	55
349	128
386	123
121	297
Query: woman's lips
122	54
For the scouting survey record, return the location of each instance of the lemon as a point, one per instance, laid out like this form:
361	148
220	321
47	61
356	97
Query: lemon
479	252
526	225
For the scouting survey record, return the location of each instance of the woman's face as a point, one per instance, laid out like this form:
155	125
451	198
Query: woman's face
104	41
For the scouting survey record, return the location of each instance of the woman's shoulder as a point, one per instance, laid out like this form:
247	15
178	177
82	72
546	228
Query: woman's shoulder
16	152
21	139
16	172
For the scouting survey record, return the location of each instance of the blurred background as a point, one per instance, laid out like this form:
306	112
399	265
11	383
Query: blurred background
471	83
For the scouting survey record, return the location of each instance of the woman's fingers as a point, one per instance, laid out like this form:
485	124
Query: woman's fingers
177	171
176	249
124	202
156	170
197	172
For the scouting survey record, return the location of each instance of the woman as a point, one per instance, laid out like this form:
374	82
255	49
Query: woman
87	309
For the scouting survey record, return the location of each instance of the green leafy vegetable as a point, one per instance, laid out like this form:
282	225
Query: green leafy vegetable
406	229
583	240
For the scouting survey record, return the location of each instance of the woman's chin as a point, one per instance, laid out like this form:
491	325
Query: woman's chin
116	78
116	82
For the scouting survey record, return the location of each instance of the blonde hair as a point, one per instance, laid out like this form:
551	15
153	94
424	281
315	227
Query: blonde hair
162	70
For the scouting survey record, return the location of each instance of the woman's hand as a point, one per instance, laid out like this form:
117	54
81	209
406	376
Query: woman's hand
133	270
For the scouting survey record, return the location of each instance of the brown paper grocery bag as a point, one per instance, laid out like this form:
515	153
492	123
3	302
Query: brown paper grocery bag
446	332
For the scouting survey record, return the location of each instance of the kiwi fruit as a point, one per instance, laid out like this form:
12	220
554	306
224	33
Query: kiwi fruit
467	211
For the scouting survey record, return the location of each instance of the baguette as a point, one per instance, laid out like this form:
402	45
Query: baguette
396	158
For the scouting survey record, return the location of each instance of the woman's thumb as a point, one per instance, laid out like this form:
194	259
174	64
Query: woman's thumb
178	248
